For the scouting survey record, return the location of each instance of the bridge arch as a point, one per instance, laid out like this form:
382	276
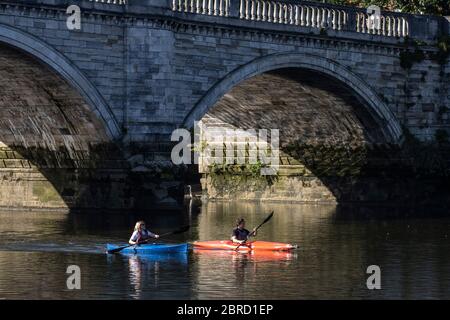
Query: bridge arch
65	68
58	149
375	105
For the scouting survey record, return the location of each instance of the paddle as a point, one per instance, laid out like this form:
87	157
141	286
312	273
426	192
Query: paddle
256	229
181	230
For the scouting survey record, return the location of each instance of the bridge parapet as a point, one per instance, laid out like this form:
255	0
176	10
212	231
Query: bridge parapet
317	15
296	15
118	2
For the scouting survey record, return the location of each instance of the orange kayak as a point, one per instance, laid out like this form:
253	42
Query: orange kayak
249	246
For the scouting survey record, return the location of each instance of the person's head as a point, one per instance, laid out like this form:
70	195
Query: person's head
240	223
140	225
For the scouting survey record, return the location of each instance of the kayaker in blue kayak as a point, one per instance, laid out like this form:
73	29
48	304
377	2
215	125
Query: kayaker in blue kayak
240	234
141	234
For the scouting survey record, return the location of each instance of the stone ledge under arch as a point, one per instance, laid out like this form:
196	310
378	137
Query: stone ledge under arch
376	106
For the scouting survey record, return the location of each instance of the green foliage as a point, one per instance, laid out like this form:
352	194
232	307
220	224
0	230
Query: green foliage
408	58
424	158
442	110
412	53
252	170
441	136
434	7
323	32
200	147
246	171
45	192
443	53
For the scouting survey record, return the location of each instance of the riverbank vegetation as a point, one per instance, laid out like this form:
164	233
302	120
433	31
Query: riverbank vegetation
434	7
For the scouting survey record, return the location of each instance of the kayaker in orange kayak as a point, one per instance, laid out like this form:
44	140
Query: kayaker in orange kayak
141	234
240	234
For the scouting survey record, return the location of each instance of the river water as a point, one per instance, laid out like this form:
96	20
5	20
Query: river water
336	246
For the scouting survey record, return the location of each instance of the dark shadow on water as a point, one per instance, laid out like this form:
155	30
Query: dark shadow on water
392	212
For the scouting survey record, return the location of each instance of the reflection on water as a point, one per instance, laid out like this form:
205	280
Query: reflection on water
240	275
255	256
145	270
335	248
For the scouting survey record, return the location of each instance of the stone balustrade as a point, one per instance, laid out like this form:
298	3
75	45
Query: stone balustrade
319	16
119	2
301	13
286	12
207	7
289	14
389	25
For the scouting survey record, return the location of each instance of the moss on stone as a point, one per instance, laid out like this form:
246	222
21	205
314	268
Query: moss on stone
412	53
441	136
443	45
45	192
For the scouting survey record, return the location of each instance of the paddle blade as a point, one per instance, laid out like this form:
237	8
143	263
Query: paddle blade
117	249
265	220
268	217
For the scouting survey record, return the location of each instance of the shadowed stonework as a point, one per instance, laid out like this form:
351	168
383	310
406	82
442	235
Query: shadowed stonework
56	153
306	107
38	109
333	149
51	142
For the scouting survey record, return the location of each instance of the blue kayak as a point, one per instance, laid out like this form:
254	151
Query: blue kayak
151	248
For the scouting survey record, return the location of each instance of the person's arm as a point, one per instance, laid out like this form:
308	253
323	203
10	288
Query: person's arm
153	235
234	237
251	234
235	240
134	237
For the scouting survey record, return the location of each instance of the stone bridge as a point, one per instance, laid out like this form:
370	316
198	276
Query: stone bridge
86	115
